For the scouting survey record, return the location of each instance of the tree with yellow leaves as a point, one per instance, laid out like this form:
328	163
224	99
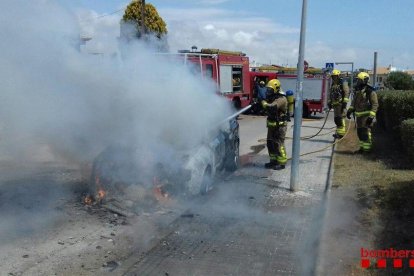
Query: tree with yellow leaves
154	24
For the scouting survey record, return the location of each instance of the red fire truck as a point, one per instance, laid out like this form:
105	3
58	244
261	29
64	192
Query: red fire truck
230	70
314	91
235	80
315	85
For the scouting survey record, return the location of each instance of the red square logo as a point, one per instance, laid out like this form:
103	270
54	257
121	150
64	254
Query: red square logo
397	263
364	263
382	263
411	262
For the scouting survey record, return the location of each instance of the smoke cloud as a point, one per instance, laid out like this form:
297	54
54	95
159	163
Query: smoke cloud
78	103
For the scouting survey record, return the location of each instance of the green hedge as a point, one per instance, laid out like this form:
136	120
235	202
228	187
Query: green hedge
407	137
394	107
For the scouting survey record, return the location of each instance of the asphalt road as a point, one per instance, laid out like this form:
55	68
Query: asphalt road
249	224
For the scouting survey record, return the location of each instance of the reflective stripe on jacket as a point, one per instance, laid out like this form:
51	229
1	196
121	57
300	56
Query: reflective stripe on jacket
365	102
271	123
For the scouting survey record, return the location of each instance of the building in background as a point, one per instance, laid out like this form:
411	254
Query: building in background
382	75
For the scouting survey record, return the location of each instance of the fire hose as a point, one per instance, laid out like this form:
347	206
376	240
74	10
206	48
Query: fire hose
314	135
235	114
330	145
320	129
302	138
324	148
335	140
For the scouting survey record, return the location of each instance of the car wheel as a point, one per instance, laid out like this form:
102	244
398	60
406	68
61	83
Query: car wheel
233	157
207	182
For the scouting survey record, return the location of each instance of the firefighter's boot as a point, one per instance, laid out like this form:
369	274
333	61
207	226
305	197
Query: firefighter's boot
278	167
271	164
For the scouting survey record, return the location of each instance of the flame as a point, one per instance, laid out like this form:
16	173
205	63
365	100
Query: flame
159	193
88	200
101	194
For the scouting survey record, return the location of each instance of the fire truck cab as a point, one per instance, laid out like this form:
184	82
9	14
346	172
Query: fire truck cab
229	70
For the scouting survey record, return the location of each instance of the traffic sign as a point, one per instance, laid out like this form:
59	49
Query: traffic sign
329	66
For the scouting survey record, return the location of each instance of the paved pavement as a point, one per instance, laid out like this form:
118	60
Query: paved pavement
250	224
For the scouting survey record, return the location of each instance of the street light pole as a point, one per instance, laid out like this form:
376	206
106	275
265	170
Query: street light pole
294	172
374	81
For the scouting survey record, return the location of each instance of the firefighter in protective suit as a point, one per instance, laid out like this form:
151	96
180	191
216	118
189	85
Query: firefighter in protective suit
276	107
364	105
338	99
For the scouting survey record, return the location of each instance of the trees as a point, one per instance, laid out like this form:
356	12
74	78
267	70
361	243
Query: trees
400	81
154	24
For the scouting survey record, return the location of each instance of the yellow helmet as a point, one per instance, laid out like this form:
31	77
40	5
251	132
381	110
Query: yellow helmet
363	76
336	72
275	85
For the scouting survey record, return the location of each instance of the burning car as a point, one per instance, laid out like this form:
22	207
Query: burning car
124	167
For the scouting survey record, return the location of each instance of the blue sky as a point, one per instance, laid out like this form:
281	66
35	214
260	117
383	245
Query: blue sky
268	31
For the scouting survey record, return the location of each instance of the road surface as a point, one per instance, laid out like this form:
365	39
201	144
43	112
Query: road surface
250	223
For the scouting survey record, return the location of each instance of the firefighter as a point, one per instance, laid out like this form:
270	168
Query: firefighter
364	105
261	91
276	107
338	99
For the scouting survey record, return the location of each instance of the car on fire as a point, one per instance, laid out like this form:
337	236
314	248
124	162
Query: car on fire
187	172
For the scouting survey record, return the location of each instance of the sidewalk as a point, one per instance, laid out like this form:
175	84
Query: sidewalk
311	195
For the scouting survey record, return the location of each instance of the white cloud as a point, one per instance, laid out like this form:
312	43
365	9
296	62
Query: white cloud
243	38
199	15
209	27
263	39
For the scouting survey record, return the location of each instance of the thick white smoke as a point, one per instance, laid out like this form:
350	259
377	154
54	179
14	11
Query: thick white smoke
77	103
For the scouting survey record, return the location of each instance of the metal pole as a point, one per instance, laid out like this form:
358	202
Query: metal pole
294	172
142	18
352	79
374	81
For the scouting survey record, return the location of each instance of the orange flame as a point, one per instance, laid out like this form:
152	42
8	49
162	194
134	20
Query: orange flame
88	200
101	194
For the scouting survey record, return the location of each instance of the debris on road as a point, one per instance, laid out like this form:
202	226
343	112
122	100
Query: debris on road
116	208
111	265
187	215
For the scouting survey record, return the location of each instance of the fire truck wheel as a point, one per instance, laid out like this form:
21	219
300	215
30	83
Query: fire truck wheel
237	103
305	113
207	182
